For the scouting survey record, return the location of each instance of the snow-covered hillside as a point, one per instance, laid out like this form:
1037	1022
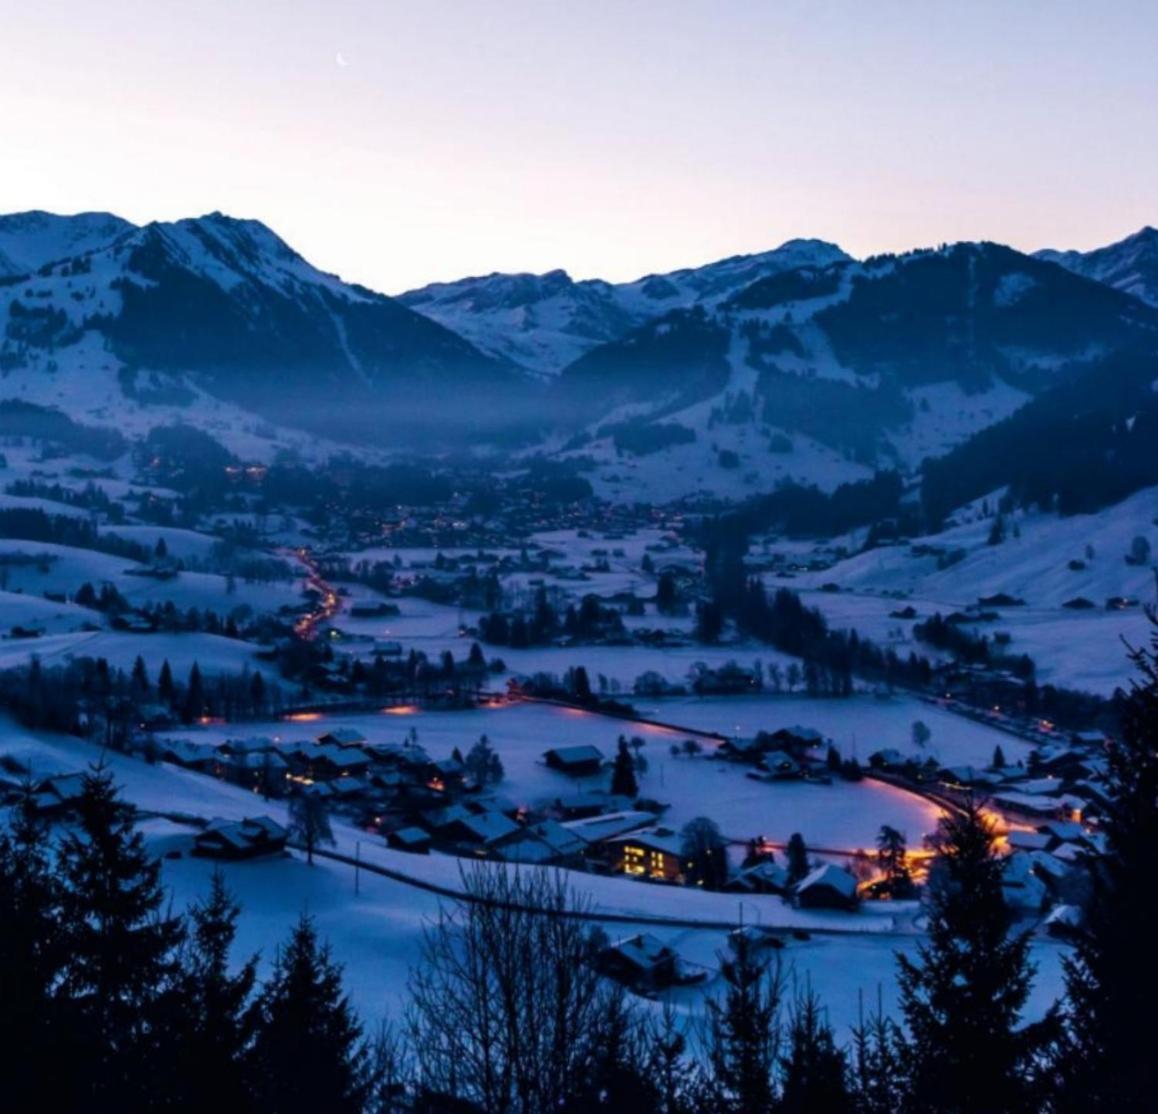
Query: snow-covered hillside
227	307
884	363
1082	600
545	322
1130	265
30	240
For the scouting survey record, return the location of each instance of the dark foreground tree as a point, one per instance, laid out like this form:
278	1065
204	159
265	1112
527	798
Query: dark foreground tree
742	1037
120	979
216	1026
32	953
308	1054
1107	1062
507	1011
966	1050
878	1069
814	1070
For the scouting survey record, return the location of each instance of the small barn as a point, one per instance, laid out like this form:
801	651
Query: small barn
827	887
240	839
577	761
640	962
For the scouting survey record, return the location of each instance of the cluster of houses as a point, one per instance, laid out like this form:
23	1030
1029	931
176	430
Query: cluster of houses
787	754
1061	780
1051	804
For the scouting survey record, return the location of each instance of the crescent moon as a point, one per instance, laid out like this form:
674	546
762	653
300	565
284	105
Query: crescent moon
340	60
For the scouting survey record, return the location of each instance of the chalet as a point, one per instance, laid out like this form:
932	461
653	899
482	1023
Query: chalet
827	887
259	769
763	877
414	840
477	830
202	757
576	761
1022	886
653	853
342	737
55	796
245	839
1028	805
1063	921
155	717
609	825
1030	841
781	765
641	962
545	842
888	759
798	740
325	762
754	937
729	680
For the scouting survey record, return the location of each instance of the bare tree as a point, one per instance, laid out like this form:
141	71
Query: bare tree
507	1011
309	817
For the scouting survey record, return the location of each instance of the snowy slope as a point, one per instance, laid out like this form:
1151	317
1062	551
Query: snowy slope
30	240
544	322
883	363
1130	265
1045	560
226	306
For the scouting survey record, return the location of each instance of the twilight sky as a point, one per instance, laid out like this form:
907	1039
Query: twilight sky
609	138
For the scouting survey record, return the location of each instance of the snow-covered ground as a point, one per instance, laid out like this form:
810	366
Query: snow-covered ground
376	933
1045	560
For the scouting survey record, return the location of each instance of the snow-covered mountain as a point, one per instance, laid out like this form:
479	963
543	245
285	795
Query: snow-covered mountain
1130	265
823	372
226	306
544	322
30	240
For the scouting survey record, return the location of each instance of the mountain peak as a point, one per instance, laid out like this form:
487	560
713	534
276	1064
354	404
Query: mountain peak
30	239
1129	265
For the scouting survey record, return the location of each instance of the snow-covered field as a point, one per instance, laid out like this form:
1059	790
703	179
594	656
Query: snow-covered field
376	933
1045	560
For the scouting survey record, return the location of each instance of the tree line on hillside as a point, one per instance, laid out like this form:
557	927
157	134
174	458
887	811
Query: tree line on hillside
109	999
88	697
832	658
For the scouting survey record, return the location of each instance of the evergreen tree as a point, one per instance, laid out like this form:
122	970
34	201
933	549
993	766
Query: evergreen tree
194	706
165	688
797	855
140	678
815	1072
623	781
891	851
120	975
580	684
877	1065
743	1034
962	997
32	954
216	1026
483	764
709	622
1107	1058
998	758
674	1077
308	1054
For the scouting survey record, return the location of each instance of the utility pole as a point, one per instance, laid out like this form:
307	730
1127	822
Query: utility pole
357	865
